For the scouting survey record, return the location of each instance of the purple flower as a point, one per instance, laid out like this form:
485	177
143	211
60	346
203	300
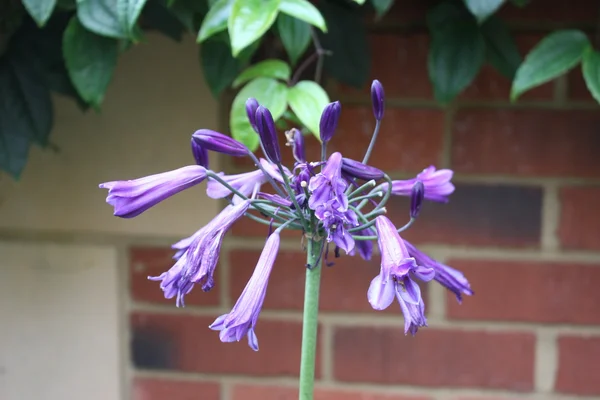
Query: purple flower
414	315
437	184
329	121
197	263
416	199
218	142
334	222
359	170
276	199
364	247
200	154
329	185
131	198
452	279
378	99
397	269
296	140
268	134
251	107
245	183
242	319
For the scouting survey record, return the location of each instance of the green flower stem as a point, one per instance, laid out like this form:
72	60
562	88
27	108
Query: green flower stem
268	222
288	188
310	320
360	189
366	197
269	177
402	229
372	144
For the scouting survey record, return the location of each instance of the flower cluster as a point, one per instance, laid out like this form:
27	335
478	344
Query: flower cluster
335	201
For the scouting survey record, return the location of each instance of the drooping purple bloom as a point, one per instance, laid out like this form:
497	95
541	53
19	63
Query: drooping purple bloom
329	185
438	185
364	247
200	154
359	170
220	143
414	315
451	278
416	199
275	198
268	134
329	121
377	99
243	317
133	197
251	107
245	183
197	263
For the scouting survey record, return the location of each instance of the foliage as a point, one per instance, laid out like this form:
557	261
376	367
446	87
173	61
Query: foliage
72	48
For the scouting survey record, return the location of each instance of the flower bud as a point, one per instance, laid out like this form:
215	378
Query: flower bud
200	154
361	171
378	99
251	106
298	145
215	141
268	134
416	199
329	121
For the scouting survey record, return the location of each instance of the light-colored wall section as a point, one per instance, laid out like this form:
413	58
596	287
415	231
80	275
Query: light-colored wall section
156	101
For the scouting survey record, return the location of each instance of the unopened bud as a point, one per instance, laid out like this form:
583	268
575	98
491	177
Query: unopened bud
268	134
215	141
416	199
329	121
251	106
359	170
200	154
378	99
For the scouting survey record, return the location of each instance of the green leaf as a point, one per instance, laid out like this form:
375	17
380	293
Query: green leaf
591	71
304	11
100	16
295	36
269	93
382	6
157	16
350	60
90	61
520	3
361	2
40	10
456	53
267	69
218	65
216	19
501	49
128	12
482	9
249	20
307	100
554	55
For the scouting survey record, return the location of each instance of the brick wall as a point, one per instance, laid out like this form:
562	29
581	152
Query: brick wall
523	225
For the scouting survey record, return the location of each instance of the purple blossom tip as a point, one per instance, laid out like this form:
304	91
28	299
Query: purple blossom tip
298	145
200	153
220	143
329	121
378	99
438	184
268	134
251	107
133	197
359	170
416	199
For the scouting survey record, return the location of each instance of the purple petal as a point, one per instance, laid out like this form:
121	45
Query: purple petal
424	273
380	293
409	291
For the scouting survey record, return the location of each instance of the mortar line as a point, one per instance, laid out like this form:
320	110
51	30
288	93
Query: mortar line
546	361
550	218
225	389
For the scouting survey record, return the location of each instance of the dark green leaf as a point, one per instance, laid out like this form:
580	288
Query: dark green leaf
100	16
501	49
90	60
456	53
307	100
267	69
216	19
158	16
249	20
554	55
304	11
40	10
520	3
128	12
295	36
218	65
483	9
347	40
270	93
382	6
591	71
68	5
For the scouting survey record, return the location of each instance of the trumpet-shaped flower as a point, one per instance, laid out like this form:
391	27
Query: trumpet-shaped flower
438	185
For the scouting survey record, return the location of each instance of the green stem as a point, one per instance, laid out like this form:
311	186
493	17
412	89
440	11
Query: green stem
310	320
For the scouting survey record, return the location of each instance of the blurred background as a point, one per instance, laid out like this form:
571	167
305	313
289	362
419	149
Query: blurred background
81	321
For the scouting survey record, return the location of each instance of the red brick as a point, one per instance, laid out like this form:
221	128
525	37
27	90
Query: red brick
552	11
248	227
343	286
185	343
490	398
527	142
577	87
399	62
248	392
446	358
578	365
160	389
477	215
491	85
153	261
579	220
529	291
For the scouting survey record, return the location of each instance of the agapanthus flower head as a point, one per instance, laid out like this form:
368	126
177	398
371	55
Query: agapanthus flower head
268	134
438	185
416	199
377	99
131	198
251	107
200	154
243	317
220	143
328	185
329	121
